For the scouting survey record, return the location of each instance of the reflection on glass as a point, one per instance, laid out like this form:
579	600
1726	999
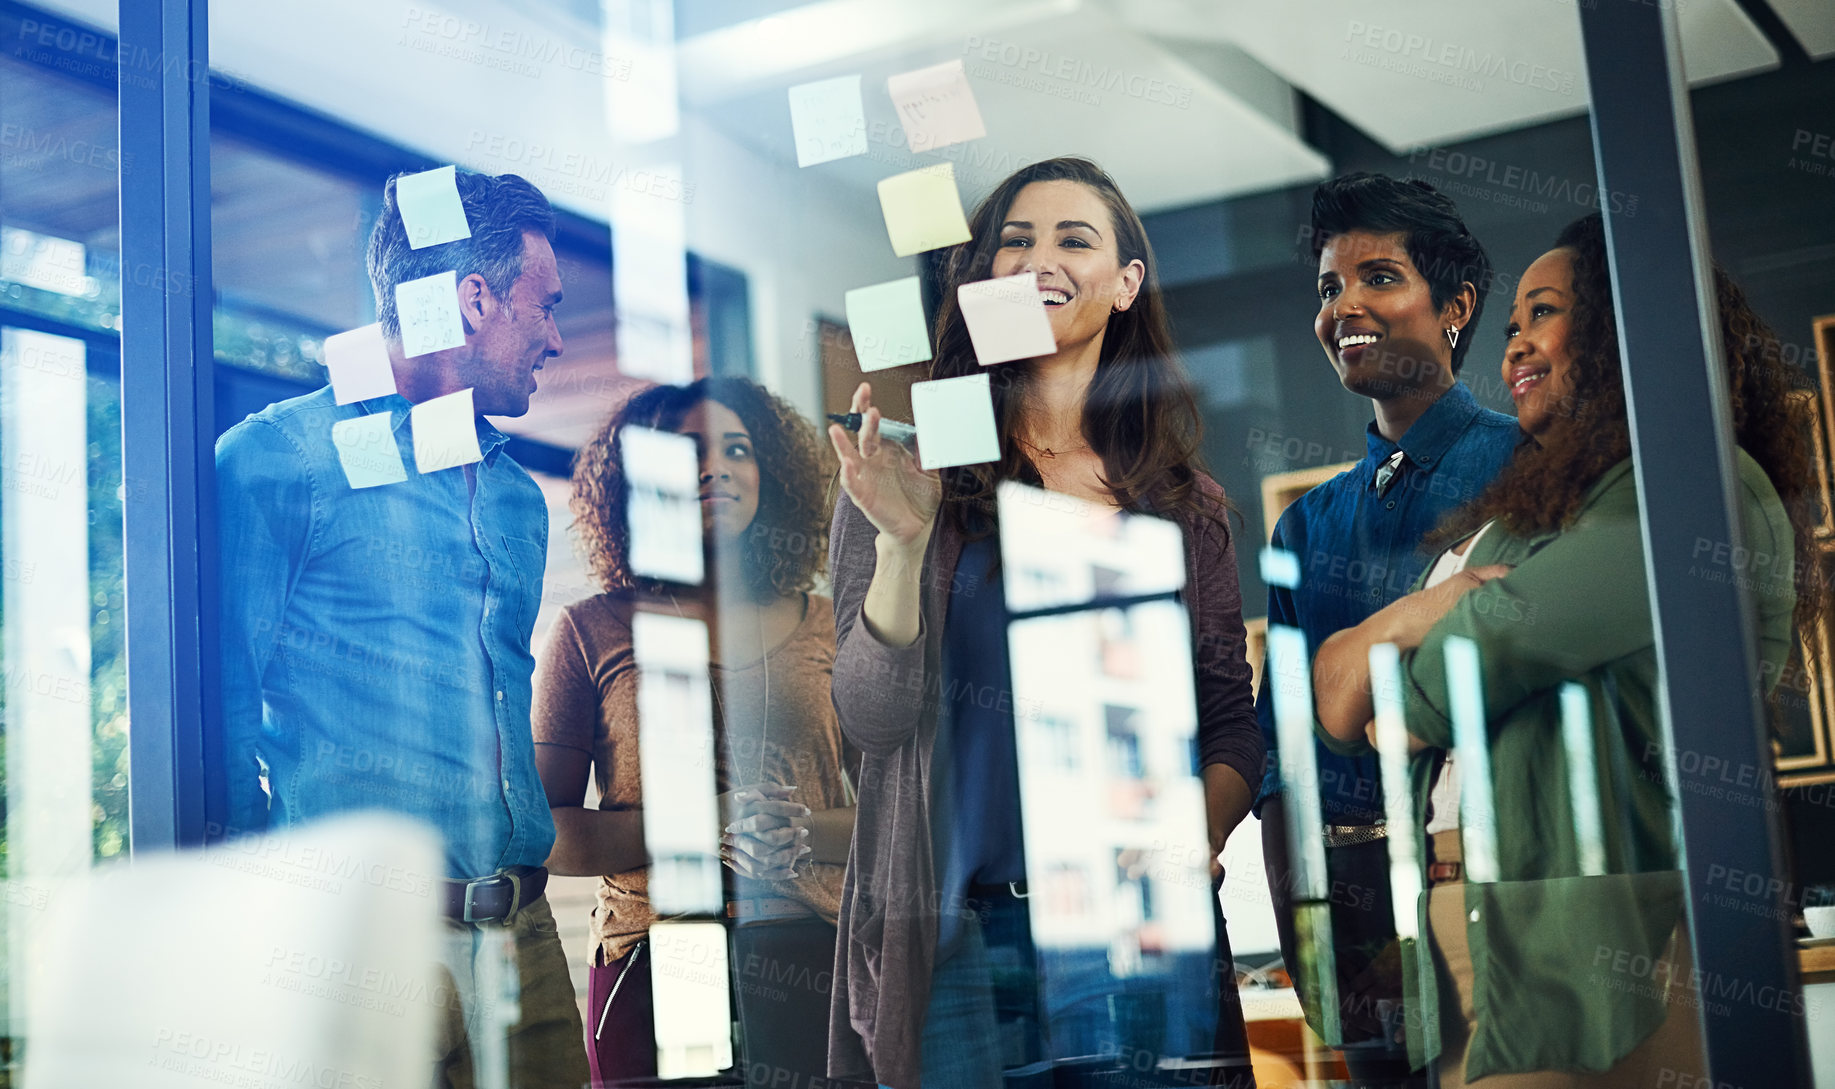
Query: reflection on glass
1104	711
676	739
45	513
1583	786
665	515
1398	793
1317	976
1472	750
690	984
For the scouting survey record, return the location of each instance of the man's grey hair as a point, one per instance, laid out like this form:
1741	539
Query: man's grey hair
498	209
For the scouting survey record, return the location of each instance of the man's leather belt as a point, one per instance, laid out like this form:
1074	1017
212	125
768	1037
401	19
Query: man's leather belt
766	907
1015	889
496	898
1350	835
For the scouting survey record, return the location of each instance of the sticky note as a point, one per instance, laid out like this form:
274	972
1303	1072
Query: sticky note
429	313
445	432
358	361
887	324
430	208
923	210
367	450
828	120
936	106
955	422
1006	318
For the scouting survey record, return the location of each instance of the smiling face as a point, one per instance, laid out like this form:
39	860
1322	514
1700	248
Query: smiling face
511	337
1538	368
1062	231
1377	320
729	469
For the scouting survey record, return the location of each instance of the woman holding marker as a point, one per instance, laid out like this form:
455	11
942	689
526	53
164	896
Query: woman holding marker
783	766
936	879
1544	574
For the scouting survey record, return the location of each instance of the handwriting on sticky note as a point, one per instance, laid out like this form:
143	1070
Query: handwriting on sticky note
1006	319
828	121
367	451
923	210
445	432
430	207
428	309
358	362
955	422
936	106
886	322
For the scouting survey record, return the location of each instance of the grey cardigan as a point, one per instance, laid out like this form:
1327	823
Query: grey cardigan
886	698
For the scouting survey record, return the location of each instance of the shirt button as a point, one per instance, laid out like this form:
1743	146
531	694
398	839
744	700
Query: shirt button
500	691
1390	505
506	787
1474	915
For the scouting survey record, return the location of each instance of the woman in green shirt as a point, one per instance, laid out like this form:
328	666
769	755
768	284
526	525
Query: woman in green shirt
1562	962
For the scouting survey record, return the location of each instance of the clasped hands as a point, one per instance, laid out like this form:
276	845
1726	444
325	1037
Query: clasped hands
763	833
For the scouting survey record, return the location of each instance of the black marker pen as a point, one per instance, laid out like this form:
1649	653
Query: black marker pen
891	429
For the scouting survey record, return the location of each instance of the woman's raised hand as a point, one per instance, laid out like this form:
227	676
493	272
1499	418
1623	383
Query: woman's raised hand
883	478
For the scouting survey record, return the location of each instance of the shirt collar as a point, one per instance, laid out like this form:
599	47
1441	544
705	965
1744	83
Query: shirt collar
400	408
1431	436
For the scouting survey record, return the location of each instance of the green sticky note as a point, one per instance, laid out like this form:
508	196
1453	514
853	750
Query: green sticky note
887	324
367	451
923	210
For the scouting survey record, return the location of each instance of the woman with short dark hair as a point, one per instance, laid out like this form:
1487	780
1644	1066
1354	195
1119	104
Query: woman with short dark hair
1545	576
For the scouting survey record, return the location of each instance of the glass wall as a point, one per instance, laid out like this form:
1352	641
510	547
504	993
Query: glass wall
593	713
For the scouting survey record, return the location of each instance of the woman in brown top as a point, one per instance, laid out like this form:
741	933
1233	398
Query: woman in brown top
931	902
786	800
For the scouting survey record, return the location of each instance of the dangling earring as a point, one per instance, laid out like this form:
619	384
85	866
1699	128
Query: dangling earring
1452	336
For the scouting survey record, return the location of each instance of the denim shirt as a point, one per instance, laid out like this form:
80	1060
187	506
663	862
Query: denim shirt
1358	551
376	642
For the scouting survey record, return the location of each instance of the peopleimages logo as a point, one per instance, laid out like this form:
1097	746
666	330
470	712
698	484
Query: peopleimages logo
1450	61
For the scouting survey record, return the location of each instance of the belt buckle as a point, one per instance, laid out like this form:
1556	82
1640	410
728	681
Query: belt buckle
495	881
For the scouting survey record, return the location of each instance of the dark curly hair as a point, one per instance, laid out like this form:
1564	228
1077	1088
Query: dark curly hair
1542	488
788	538
1139	415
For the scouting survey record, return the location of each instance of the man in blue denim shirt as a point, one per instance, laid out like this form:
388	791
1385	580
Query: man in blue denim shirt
376	640
1401	287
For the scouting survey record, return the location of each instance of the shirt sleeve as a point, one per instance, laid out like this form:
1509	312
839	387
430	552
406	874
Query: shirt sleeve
1579	602
566	706
1228	733
1281	611
265	523
878	689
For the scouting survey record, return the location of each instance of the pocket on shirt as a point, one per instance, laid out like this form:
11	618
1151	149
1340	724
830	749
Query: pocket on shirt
528	560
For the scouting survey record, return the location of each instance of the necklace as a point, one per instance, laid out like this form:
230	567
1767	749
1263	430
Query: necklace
1048	451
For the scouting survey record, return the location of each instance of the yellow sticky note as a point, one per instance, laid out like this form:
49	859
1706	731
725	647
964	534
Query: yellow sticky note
923	210
445	432
367	450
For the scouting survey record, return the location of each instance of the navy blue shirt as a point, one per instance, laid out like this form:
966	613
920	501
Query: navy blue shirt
1358	551
981	842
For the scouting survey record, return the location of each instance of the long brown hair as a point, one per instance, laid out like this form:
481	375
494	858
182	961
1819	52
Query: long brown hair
1139	414
1542	488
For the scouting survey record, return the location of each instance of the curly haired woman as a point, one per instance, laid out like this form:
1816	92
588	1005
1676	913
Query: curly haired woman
1545	574
786	797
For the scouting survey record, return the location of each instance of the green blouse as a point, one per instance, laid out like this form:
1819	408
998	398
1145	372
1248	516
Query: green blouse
1560	960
